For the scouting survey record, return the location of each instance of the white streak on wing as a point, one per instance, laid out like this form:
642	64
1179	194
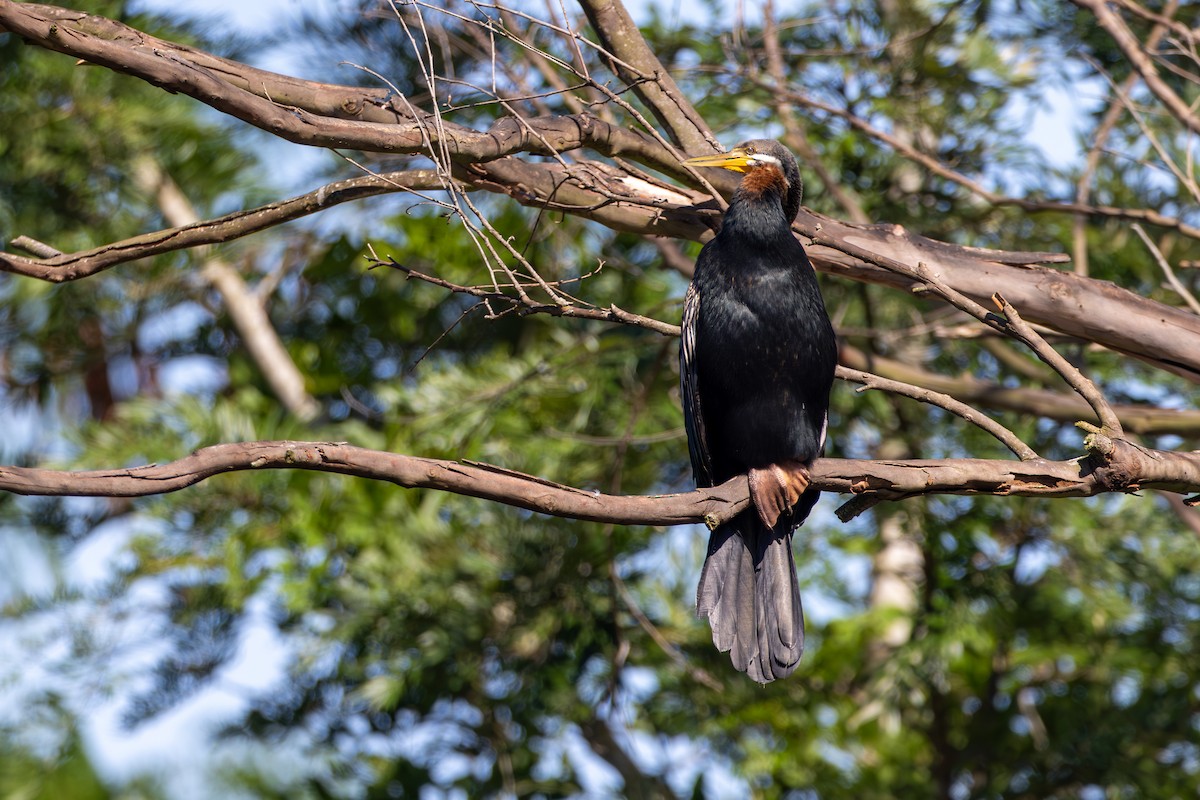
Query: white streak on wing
690	390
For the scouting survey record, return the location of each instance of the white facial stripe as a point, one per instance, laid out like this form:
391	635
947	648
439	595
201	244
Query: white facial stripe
763	158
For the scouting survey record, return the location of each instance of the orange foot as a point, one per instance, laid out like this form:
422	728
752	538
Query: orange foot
776	488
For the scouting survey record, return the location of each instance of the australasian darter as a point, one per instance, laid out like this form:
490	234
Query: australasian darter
756	361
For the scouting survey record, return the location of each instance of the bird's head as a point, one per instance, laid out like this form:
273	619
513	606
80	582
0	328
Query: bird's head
766	164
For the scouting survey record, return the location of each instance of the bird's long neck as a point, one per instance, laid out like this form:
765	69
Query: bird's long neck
761	204
757	210
765	180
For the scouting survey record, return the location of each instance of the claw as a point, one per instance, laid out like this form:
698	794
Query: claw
776	488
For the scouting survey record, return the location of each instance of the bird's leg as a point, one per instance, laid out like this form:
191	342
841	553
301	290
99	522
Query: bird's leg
776	488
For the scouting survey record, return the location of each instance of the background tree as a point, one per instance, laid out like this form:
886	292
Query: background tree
524	170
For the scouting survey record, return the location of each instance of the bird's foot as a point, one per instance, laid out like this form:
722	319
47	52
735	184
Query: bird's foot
775	489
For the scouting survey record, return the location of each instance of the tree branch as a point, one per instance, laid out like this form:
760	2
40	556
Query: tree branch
1140	61
249	315
651	81
940	169
1113	465
1082	385
460	477
1061	406
59	267
1091	310
1086	308
971	415
282	106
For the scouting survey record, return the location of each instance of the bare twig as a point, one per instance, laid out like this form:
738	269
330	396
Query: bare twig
935	166
1140	61
1165	266
1103	130
971	415
1055	360
1061	406
526	305
39	249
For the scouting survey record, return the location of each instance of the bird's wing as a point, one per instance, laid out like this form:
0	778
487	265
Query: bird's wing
693	417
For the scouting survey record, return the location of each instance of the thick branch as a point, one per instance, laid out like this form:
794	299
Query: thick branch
312	117
1091	310
1114	465
460	477
654	85
346	102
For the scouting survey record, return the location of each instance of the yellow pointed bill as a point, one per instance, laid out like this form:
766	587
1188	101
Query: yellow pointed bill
736	159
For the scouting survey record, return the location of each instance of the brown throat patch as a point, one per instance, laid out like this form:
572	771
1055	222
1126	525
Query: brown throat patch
775	489
760	179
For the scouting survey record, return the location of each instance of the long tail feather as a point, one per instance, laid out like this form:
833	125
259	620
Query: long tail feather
751	596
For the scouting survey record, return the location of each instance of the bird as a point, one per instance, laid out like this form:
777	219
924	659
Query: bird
757	360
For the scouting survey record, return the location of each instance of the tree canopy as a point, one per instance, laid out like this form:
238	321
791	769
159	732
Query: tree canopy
379	453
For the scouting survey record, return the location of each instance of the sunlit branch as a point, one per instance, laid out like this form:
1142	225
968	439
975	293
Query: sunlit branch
1113	465
1097	311
1082	385
650	80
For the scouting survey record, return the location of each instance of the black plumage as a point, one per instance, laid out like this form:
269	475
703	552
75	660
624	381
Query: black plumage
757	359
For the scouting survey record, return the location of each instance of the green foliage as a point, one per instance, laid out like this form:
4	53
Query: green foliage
432	640
63	773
